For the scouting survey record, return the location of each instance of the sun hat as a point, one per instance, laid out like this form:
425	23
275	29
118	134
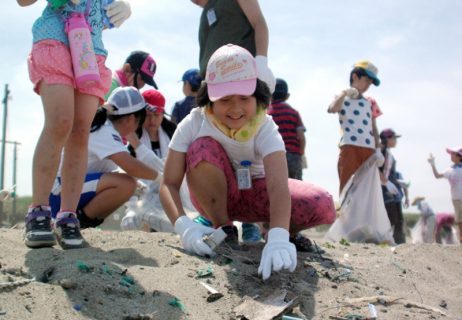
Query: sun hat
231	70
457	150
193	76
155	101
144	63
388	133
370	69
417	199
124	100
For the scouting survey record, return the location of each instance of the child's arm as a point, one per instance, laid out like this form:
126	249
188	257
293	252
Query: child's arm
301	139
375	131
253	13
134	167
336	105
25	3
278	189
431	160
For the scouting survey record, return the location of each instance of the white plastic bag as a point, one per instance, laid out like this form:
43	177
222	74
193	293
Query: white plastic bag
451	238
364	217
424	230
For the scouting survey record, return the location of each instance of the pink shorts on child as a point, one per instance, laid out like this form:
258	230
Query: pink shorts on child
51	61
311	205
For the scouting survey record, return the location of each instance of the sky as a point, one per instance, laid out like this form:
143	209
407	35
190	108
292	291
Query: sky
313	45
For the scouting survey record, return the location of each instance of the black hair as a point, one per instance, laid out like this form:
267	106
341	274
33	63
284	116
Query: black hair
101	116
279	95
360	72
262	94
168	126
194	87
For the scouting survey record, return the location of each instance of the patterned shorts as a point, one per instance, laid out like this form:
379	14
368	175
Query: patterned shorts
311	205
50	60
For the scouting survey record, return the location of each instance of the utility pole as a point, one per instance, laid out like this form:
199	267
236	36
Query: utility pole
2	165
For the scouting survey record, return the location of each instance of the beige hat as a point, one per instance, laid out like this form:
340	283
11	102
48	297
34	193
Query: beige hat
417	199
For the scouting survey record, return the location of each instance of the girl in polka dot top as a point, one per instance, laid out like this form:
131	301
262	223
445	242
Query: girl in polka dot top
69	111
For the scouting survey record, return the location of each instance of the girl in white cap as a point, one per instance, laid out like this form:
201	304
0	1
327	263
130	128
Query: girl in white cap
104	190
234	160
454	176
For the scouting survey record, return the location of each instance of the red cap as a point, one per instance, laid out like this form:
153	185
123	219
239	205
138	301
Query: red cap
155	101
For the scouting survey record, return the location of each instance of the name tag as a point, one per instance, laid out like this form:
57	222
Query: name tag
211	16
244	181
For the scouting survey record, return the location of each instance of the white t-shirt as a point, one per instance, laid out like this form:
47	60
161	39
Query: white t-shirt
356	122
454	176
266	141
104	142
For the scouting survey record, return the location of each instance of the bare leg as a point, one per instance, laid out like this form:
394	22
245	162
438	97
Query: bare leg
208	183
75	157
113	190
58	105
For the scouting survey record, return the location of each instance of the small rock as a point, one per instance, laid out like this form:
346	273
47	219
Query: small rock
383	310
334	286
155	293
429	268
67	284
103	241
443	304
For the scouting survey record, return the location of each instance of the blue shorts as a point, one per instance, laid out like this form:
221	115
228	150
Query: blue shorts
88	192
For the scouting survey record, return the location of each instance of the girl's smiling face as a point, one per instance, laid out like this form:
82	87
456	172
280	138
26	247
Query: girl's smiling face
235	111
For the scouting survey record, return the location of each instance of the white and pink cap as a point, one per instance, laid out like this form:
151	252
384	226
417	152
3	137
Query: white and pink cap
231	71
457	150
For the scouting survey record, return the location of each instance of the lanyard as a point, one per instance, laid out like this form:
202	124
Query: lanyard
64	20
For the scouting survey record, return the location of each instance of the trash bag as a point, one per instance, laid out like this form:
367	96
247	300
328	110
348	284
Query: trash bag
364	217
451	237
149	208
424	230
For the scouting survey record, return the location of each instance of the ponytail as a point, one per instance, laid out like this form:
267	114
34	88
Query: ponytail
99	119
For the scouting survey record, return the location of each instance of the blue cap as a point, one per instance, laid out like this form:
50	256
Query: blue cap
193	76
281	86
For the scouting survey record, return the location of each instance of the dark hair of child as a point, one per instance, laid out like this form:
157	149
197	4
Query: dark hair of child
101	116
360	72
262	94
168	126
194	87
278	95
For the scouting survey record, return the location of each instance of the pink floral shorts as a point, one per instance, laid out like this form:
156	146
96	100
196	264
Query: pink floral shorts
311	205
51	61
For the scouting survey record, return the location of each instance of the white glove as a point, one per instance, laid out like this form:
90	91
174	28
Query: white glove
130	221
6	195
265	73
159	178
191	234
141	189
76	2
353	93
118	12
279	252
304	162
431	159
391	187
380	157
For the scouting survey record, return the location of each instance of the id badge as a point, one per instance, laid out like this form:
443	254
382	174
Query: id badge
244	181
211	16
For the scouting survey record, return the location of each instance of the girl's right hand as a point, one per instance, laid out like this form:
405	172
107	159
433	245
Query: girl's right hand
192	235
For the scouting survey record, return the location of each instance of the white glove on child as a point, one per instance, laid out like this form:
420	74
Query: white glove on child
118	12
391	187
265	73
279	253
159	178
380	157
6	195
431	159
353	93
191	234
304	162
130	221
141	189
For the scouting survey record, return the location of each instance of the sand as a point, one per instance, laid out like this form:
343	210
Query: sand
134	275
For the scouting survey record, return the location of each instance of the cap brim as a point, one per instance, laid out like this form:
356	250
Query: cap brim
417	200
374	78
449	151
149	80
398	135
220	90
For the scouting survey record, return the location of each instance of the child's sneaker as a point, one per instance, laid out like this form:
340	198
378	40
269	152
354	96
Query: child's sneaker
203	221
232	238
250	232
67	231
38	232
304	244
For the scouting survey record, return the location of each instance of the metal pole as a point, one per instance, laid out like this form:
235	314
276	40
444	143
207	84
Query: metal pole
15	158
2	165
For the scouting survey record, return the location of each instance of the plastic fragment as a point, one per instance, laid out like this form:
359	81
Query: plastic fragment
77	307
396	264
176	303
83	267
208	271
372	310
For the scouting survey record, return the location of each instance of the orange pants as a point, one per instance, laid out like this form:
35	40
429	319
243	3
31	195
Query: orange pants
349	160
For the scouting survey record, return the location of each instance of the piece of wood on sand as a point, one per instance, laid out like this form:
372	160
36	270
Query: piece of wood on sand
266	307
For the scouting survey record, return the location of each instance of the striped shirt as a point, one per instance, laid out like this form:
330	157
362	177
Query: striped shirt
289	121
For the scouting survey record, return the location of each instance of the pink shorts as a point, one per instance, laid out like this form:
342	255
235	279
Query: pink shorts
51	61
311	205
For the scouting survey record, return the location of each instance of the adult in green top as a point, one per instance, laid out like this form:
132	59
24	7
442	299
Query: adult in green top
138	70
239	22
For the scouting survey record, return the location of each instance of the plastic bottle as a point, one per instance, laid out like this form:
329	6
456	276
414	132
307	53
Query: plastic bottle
86	72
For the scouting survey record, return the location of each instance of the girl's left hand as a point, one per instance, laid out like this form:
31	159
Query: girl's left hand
118	11
406	203
278	253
